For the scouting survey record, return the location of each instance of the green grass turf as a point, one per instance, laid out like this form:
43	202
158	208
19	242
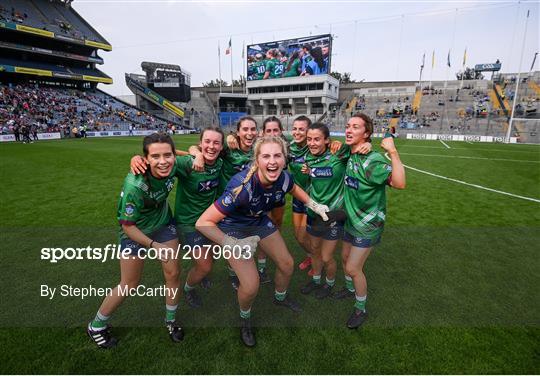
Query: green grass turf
453	288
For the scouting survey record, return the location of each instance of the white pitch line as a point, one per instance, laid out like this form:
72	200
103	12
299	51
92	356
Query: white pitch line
444	143
466	157
469	184
469	142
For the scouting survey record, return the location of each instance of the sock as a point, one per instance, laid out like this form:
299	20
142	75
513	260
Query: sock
280	296
349	284
261	264
245	314
231	272
360	302
188	287
99	322
170	312
330	282
317	279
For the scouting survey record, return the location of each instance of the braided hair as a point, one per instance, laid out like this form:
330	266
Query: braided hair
256	151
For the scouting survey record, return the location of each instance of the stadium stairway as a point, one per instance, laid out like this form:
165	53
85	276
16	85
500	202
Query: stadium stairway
352	104
494	99
502	99
203	112
417	100
534	86
167	106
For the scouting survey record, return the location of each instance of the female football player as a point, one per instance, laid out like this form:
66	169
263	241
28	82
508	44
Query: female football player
234	161
366	178
240	217
145	223
326	172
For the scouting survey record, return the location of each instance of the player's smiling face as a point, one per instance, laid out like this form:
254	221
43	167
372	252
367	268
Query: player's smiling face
272	129
247	134
316	141
299	131
211	145
161	159
355	132
271	162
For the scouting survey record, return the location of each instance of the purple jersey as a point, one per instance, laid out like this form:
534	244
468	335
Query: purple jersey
254	201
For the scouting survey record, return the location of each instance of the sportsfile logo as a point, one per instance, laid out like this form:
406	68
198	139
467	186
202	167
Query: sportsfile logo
116	252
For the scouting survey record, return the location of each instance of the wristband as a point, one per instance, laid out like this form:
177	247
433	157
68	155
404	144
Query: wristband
152	242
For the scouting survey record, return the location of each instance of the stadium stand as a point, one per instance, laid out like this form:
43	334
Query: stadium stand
48	74
54	16
60	109
473	107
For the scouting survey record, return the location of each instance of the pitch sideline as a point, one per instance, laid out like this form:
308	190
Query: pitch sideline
468	184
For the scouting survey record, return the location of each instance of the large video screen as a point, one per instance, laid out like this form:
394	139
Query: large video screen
306	56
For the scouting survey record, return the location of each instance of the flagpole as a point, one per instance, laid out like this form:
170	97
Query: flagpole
232	81
244	83
421	70
432	66
509	132
448	64
463	73
219	64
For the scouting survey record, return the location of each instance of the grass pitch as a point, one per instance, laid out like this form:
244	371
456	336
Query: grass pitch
453	288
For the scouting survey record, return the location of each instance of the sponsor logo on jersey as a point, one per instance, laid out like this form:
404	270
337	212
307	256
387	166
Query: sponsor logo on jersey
279	195
130	209
227	200
351	182
321	172
208	185
169	184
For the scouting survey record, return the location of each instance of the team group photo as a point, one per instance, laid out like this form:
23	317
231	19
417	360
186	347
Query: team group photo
253	187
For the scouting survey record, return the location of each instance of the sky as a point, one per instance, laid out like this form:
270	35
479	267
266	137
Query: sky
375	41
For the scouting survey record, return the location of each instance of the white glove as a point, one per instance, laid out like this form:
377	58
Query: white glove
247	245
319	209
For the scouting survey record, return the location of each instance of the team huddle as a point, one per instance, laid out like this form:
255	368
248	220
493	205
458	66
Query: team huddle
231	194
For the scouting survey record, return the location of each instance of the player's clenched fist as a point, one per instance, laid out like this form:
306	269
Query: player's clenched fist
388	144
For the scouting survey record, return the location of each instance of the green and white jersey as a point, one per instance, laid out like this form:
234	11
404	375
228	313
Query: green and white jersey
275	67
326	177
297	158
366	178
259	68
234	161
143	202
196	191
293	72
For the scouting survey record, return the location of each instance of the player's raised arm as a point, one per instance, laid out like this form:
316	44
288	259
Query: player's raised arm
397	178
232	142
181	153
195	151
138	165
